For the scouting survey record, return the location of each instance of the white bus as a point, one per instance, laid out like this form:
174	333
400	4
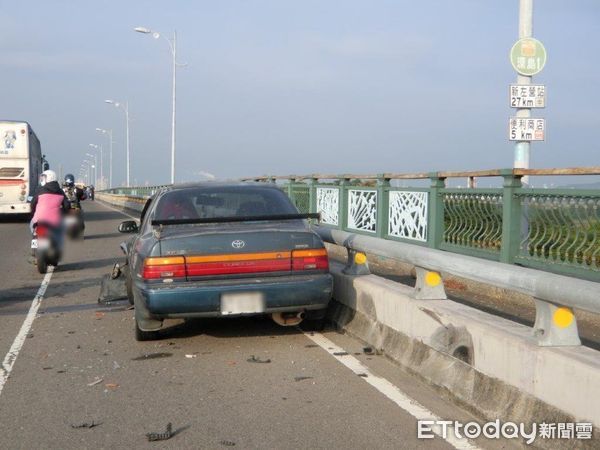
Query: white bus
21	164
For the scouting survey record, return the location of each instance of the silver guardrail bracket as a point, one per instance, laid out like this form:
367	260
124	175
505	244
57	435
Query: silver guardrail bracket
555	325
357	263
430	285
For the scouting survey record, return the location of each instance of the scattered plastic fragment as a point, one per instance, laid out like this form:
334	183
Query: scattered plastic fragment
340	353
254	359
96	381
116	365
111	385
161	436
228	443
363	375
146	356
91	424
192	355
302	378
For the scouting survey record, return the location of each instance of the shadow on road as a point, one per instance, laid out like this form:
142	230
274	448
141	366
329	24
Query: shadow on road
15	218
102	236
228	328
90	264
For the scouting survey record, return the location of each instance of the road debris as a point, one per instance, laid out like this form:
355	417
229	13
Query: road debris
228	443
340	353
116	365
161	436
368	350
112	386
254	359
302	378
87	425
192	355
96	381
146	356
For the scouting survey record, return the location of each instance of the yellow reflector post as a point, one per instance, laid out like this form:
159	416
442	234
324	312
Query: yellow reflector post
433	279
360	258
563	317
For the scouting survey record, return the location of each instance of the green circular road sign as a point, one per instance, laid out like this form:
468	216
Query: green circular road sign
528	56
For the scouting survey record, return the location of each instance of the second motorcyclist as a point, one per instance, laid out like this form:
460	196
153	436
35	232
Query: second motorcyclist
74	223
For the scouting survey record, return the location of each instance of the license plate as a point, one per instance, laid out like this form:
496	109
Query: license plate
41	244
242	303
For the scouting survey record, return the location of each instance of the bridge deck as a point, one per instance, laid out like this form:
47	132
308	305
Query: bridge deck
303	398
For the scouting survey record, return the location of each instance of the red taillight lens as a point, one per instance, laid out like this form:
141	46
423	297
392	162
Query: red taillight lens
41	231
156	268
313	259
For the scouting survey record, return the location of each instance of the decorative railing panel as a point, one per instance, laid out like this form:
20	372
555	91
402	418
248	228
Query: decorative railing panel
408	215
561	230
328	206
301	197
362	210
473	220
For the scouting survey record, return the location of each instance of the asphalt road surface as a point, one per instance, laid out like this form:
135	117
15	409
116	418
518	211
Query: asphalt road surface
78	364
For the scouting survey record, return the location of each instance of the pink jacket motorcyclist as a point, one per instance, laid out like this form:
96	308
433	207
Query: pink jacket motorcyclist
49	204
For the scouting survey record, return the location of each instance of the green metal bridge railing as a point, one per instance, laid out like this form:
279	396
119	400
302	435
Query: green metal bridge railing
556	230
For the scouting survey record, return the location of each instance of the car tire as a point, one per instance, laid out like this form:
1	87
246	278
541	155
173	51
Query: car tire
314	320
141	335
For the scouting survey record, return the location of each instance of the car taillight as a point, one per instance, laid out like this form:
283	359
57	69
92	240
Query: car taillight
312	259
159	267
198	266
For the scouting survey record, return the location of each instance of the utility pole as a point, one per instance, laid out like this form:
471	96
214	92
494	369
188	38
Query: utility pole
523	148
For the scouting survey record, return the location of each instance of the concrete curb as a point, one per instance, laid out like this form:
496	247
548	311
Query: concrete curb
489	364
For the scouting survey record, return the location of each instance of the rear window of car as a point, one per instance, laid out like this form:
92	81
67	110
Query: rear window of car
225	201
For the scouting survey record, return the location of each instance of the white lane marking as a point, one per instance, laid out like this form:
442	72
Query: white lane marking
115	209
15	348
392	392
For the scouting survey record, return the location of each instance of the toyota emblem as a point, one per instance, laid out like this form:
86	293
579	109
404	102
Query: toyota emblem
238	243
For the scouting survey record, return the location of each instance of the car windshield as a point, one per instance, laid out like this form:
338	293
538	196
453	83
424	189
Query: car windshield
222	201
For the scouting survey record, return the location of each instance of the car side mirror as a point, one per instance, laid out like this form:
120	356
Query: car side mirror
128	226
46	166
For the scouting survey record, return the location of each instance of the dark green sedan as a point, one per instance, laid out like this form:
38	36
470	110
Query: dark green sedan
217	250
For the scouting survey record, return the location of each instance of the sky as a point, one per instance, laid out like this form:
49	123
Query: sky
295	87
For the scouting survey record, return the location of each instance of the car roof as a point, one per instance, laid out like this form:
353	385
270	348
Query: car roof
208	184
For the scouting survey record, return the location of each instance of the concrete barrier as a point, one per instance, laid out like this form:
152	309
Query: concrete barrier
122	201
492	365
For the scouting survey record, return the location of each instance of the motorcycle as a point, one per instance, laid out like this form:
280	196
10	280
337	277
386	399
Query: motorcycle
74	224
44	247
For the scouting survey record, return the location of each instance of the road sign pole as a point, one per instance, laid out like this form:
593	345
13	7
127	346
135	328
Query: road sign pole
522	148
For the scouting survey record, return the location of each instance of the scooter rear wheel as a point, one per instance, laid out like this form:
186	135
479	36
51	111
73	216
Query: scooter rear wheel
42	264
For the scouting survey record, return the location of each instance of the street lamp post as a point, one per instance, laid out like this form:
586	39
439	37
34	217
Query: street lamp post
125	108
99	147
109	133
173	47
95	167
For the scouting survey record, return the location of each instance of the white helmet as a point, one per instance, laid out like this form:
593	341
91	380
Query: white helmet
47	176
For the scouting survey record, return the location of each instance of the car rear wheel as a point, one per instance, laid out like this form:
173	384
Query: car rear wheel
314	320
141	335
